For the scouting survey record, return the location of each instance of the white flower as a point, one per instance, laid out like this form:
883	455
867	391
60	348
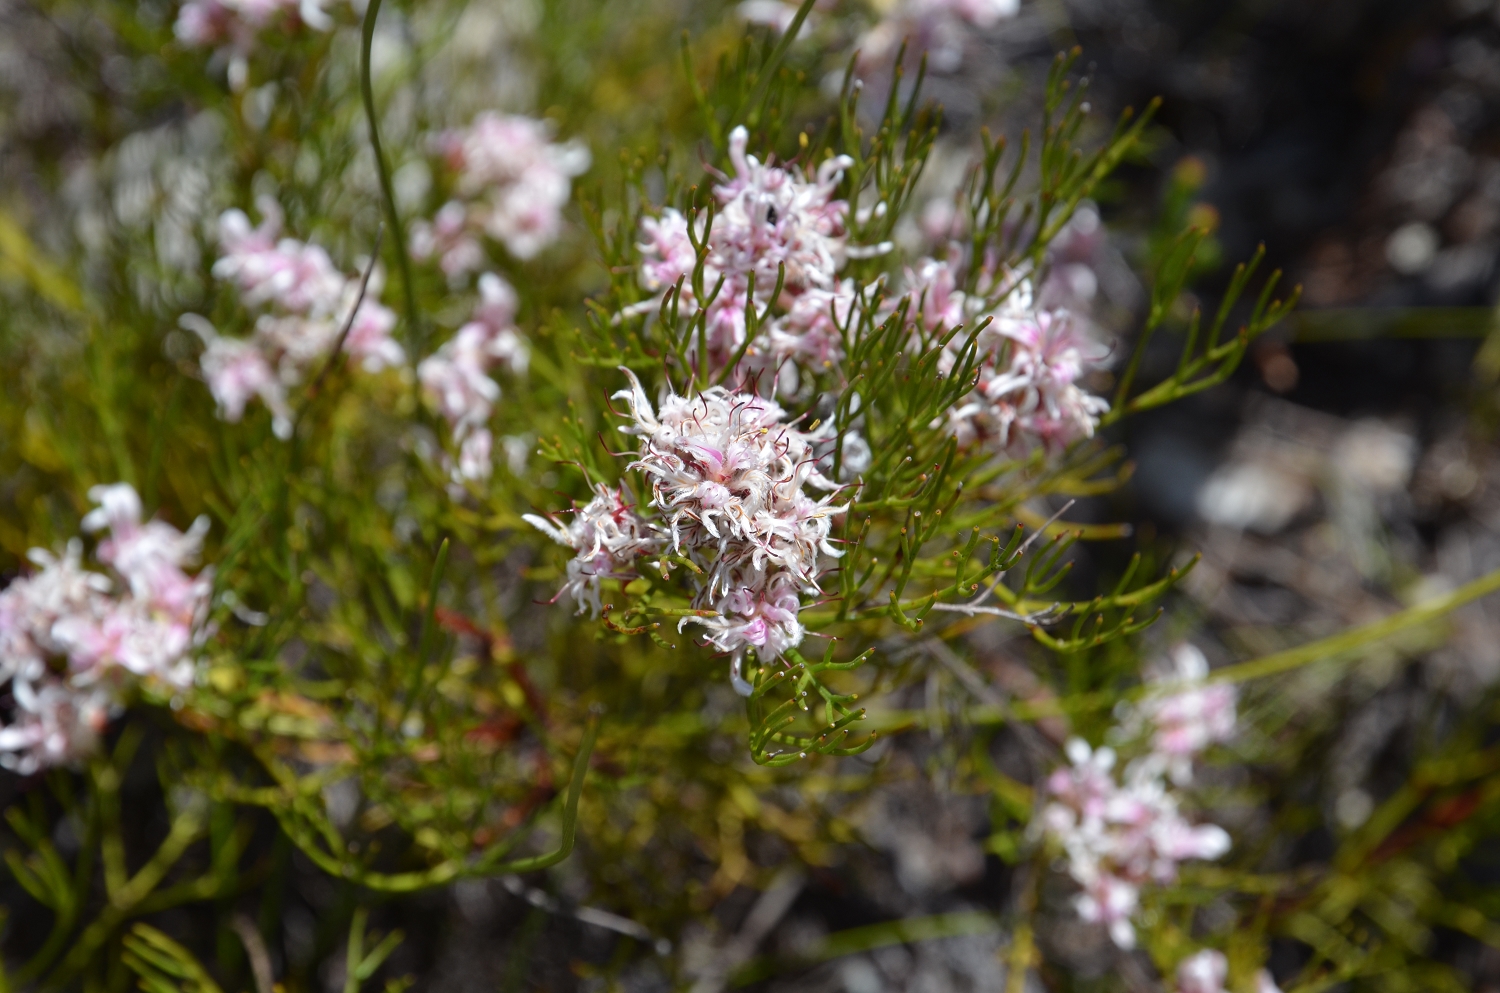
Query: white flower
201	23
770	216
295	276
1111	901
475	455
450	237
726	472
760	614
608	536
150	556
1203	972
934	302
32	606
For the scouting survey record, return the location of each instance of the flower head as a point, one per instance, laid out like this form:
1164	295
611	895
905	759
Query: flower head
726	471
1027	393
727	476
232	25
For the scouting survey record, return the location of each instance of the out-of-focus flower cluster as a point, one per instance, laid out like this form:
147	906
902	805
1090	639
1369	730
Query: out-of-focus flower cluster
727	477
768	218
456	380
938	28
512	182
307	300
1119	834
1028	393
73	641
232	26
1207	971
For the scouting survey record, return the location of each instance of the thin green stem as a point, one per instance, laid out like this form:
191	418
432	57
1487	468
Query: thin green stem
388	192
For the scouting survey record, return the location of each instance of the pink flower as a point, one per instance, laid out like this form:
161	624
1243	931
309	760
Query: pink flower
760	615
201	23
769	217
935	302
475	454
455	381
1112	902
695	451
1027	394
370	338
308	302
297	277
727	477
669	252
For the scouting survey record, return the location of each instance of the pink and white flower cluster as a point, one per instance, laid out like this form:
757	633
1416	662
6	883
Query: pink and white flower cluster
512	183
767	217
456	378
306	300
1119	835
1029	393
1185	714
72	641
727	476
233	25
